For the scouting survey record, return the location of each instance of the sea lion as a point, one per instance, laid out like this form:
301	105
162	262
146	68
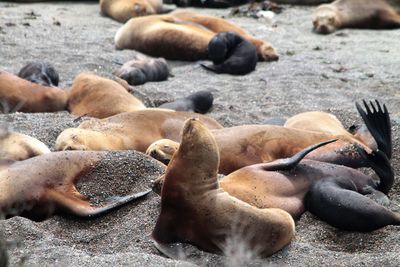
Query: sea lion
332	192
195	210
18	146
199	102
143	69
123	10
162	150
210	3
366	14
129	130
231	53
42	73
99	97
44	185
31	97
245	145
181	35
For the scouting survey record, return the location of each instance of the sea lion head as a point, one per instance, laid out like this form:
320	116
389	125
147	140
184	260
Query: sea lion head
325	20
162	150
42	73
218	48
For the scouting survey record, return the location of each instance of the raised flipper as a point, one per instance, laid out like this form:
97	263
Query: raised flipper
82	209
378	124
335	201
380	163
289	163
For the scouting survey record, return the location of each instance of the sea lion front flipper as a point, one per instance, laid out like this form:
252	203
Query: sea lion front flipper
210	68
173	251
378	124
289	163
380	163
83	209
336	201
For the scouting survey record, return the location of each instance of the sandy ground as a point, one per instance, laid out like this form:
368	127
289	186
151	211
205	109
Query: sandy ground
314	72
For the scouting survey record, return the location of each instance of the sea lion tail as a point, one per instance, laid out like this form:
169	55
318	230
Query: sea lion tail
210	68
378	123
380	163
290	163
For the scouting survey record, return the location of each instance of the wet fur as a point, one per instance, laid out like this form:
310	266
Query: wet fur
199	102
42	73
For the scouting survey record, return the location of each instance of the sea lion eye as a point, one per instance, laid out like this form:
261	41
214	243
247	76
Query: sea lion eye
331	20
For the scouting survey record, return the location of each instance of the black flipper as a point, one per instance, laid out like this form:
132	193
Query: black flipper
210	68
380	163
336	201
290	163
378	123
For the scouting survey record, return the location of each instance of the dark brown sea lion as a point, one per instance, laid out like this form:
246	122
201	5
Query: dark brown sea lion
129	130
245	145
42	73
143	69
367	14
231	53
181	35
30	96
99	97
123	10
195	210
199	102
41	186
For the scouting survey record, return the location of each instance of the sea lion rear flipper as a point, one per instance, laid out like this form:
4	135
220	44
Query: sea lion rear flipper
378	124
290	163
210	68
380	163
83	209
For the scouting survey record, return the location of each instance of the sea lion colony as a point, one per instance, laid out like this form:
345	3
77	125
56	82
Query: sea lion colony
245	153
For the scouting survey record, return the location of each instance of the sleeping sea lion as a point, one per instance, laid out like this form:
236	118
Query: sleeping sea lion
129	130
18	146
195	210
44	185
332	192
231	53
123	10
143	69
30	96
245	145
210	3
199	102
366	14
42	73
99	97
181	35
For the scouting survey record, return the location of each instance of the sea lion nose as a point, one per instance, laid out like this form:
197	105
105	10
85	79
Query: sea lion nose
323	29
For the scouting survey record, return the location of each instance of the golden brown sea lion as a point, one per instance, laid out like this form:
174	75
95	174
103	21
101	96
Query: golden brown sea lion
129	130
41	186
123	10
181	35
99	97
369	14
17	146
332	192
245	145
30	96
195	210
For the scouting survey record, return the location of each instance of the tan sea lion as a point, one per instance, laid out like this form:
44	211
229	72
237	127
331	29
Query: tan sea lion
129	130
99	97
332	192
367	14
195	210
30	96
123	10
18	146
245	145
181	35
44	185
